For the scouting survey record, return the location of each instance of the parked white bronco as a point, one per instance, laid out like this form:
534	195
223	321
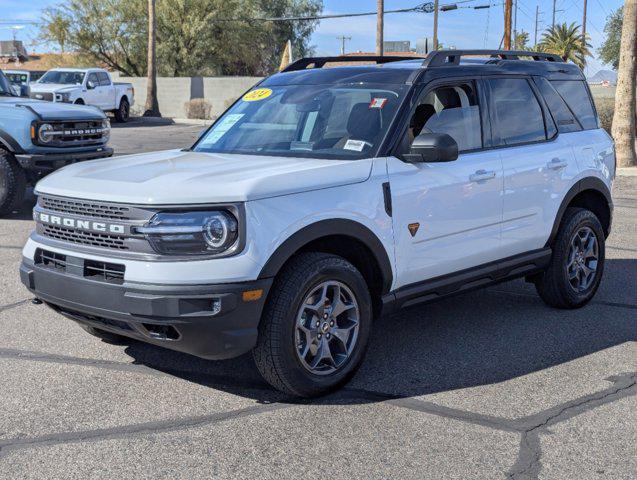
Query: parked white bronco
324	196
90	86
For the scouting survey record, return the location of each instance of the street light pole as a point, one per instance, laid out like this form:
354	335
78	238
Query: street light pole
380	13
436	25
507	24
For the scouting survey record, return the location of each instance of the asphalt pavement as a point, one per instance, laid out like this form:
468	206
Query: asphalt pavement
491	384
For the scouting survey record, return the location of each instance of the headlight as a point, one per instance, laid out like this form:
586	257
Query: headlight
106	128
192	233
44	133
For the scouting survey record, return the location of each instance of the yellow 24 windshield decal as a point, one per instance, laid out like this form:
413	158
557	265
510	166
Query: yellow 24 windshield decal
256	95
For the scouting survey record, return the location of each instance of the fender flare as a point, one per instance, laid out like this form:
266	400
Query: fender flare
588	183
324	228
8	143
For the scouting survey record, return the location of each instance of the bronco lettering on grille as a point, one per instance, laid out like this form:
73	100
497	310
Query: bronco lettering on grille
87	225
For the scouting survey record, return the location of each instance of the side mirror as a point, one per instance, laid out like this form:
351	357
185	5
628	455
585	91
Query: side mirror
432	147
90	85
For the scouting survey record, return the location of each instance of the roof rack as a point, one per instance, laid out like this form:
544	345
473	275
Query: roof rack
319	62
440	58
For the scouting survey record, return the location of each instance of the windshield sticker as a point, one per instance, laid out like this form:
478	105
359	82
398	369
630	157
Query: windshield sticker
378	103
257	95
356	145
303	146
221	128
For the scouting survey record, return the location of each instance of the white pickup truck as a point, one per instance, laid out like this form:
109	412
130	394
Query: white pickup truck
90	86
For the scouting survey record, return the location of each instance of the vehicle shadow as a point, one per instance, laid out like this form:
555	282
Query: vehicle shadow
137	122
479	338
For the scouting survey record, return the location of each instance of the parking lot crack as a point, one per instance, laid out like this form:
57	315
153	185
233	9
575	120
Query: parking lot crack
4	308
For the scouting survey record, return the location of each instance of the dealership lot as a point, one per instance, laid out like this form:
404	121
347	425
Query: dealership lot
486	385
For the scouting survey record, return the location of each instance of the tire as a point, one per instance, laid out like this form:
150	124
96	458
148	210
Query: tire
79	101
568	283
105	336
123	111
13	183
281	339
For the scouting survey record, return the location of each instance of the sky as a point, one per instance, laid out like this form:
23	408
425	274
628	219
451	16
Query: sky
461	28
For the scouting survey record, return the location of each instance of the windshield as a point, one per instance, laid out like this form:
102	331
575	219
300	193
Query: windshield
66	78
17	78
314	121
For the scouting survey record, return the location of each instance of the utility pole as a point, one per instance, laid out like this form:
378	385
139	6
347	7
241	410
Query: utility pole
515	24
584	32
553	21
537	16
380	13
342	38
507	24
152	106
435	24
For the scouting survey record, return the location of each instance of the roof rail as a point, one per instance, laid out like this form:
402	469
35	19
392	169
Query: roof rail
319	62
440	58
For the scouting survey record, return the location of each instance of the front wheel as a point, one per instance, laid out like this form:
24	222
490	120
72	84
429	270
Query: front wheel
577	263
13	183
123	112
315	328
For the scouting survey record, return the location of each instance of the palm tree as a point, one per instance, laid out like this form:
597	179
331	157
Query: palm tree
624	118
521	41
566	41
152	105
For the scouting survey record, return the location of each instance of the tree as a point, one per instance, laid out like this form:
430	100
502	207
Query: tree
59	26
609	51
152	105
521	41
566	41
194	37
624	119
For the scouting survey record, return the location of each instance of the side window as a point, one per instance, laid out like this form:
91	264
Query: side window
104	80
93	78
576	97
518	115
563	116
453	110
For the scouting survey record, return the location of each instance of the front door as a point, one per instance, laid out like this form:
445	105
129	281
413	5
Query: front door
447	216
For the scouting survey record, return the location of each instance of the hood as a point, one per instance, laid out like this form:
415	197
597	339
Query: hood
181	177
53	110
52	87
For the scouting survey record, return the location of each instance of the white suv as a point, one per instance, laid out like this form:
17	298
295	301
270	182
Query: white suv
325	196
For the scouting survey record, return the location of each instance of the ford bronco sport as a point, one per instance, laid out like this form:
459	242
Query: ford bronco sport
325	196
38	137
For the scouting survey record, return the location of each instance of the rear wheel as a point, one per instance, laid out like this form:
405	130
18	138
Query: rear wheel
123	112
13	183
315	328
577	263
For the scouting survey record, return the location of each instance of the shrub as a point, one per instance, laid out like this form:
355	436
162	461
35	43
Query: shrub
605	110
198	108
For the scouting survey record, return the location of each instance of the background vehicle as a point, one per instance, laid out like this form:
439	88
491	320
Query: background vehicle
37	138
92	86
22	79
326	196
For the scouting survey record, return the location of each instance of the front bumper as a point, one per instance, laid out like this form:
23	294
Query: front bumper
179	317
54	161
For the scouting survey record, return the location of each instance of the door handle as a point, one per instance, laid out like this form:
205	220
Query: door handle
482	175
557	163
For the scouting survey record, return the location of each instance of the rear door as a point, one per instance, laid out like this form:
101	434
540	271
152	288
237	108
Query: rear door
446	216
107	91
539	166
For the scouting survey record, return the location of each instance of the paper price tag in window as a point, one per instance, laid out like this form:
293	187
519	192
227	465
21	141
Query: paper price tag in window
356	145
378	103
221	128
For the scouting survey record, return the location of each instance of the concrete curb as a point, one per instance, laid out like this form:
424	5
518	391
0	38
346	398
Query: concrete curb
627	172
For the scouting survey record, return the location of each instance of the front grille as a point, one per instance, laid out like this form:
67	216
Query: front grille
75	134
91	269
85	208
103	240
105	272
42	96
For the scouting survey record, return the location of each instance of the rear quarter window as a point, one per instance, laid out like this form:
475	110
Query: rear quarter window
561	113
576	96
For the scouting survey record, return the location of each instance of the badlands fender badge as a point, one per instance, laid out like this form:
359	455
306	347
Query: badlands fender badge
413	228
